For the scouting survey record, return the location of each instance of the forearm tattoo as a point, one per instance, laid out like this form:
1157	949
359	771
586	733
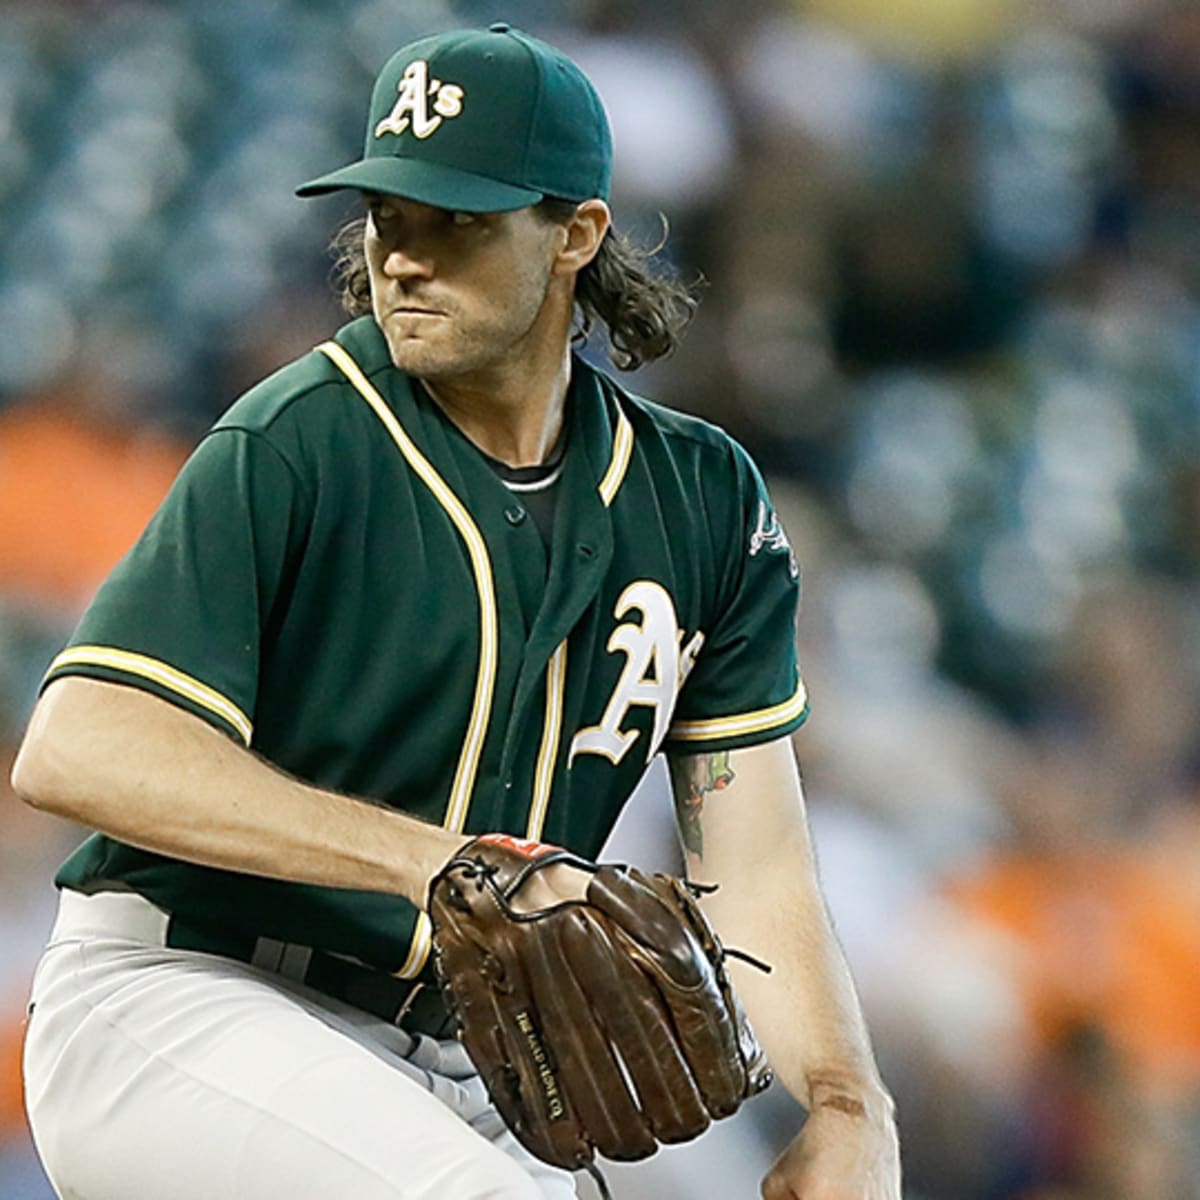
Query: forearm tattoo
694	778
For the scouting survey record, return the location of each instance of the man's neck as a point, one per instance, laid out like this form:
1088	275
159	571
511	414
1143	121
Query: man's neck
513	415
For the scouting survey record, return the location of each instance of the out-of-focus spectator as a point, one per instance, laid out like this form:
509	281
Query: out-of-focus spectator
1102	937
73	498
77	485
1125	692
1103	951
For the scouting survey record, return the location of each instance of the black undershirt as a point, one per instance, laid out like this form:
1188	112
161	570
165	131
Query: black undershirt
534	489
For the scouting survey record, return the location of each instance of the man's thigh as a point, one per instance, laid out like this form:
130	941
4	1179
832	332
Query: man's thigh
155	1073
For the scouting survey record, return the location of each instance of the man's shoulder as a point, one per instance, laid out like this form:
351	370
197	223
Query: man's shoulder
283	393
671	423
681	432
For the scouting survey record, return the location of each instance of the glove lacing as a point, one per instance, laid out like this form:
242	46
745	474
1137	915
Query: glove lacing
723	952
598	1179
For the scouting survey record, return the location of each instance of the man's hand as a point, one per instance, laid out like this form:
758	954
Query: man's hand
553	885
846	1151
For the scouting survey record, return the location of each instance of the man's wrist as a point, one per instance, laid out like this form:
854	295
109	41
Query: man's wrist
853	1096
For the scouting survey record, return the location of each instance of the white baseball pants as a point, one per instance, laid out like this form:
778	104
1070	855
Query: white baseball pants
154	1073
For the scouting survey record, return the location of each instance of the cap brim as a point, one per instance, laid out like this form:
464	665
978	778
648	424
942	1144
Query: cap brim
425	182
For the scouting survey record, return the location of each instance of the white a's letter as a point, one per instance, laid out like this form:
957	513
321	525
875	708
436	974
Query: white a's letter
652	674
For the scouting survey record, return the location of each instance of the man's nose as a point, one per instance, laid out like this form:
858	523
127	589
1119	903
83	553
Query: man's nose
407	262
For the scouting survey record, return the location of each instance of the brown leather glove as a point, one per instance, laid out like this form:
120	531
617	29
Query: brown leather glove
606	1024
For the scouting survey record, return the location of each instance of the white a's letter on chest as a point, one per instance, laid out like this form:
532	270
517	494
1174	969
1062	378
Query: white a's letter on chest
655	667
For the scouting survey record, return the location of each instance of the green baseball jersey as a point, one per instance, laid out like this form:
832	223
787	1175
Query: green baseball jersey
339	580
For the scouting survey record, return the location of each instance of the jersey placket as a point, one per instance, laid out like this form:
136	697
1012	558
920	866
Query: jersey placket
580	557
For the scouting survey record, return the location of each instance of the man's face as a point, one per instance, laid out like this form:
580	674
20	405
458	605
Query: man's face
455	292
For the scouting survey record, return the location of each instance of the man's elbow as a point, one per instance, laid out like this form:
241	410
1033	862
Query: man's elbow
50	773
38	774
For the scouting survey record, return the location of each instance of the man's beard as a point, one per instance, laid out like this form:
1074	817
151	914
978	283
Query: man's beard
461	349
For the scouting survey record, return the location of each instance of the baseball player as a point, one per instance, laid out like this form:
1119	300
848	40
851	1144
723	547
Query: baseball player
436	578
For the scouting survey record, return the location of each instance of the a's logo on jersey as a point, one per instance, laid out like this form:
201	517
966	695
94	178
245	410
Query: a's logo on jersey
768	534
656	664
413	106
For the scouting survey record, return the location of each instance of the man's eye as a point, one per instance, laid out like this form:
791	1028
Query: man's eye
463	218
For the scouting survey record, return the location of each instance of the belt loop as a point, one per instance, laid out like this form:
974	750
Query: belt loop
282	958
295	961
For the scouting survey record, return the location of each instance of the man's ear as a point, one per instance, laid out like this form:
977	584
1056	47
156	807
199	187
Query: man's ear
584	232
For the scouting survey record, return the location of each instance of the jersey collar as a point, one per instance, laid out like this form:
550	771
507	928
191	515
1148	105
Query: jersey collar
599	421
602	428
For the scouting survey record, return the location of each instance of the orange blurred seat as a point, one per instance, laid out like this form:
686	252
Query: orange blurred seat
74	496
1105	939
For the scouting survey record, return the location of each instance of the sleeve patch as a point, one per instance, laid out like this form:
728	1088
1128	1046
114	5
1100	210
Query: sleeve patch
768	534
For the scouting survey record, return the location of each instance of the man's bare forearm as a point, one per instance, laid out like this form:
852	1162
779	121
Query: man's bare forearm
139	769
805	1011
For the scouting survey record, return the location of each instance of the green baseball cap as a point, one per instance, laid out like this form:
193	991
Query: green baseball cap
481	121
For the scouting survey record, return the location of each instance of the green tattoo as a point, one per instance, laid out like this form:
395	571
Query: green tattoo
694	778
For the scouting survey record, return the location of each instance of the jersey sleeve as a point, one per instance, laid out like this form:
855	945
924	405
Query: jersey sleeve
744	687
183	614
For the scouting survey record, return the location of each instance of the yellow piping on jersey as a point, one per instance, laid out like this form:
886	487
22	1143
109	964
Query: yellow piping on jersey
752	722
489	638
556	674
619	464
162	673
418	948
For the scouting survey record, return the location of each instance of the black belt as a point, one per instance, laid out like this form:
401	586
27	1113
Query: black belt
414	1005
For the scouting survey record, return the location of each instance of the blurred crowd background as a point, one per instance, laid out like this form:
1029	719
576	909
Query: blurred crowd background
950	259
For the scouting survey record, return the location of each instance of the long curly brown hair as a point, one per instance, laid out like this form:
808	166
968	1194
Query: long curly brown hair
644	304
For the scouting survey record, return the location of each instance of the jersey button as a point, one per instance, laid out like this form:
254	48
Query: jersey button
514	514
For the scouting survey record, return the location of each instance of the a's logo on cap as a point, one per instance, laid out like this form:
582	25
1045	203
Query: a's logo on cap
413	106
